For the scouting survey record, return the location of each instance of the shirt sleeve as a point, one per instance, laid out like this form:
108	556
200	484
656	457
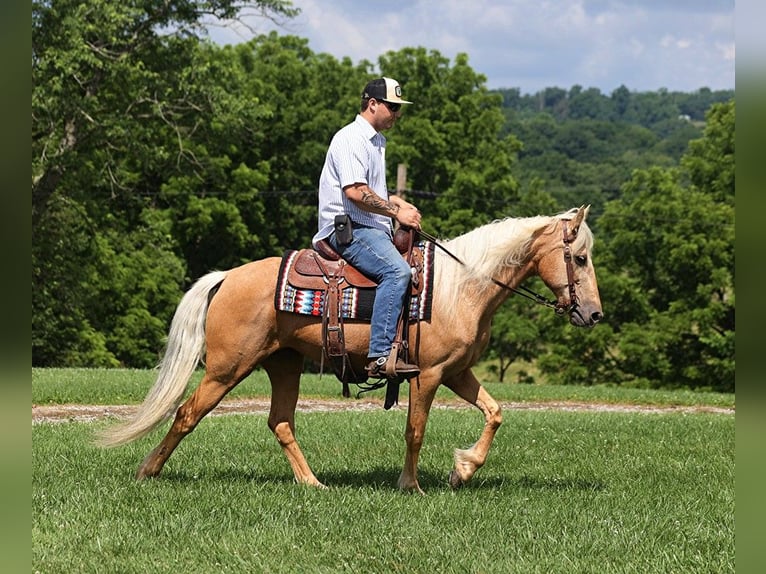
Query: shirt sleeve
352	162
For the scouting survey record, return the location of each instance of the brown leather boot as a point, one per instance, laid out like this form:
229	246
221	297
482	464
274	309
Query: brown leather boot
377	369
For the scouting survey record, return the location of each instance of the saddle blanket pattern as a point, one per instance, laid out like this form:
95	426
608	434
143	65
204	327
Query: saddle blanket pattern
356	303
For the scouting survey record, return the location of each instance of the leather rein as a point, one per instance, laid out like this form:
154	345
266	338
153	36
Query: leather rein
521	289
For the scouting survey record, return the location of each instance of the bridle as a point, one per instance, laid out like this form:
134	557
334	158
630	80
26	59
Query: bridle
559	308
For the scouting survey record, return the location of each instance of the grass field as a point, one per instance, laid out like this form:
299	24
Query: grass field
128	386
571	492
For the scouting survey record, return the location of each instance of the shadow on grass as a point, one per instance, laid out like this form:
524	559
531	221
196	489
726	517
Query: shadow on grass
379	478
385	478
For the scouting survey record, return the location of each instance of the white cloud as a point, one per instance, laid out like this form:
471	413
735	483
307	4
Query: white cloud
727	50
531	44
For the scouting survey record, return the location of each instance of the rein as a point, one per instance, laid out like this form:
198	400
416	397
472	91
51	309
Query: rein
521	289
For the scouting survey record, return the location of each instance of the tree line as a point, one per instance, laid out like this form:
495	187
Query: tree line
159	156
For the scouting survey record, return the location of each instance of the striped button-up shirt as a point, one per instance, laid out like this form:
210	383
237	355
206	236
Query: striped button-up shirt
357	154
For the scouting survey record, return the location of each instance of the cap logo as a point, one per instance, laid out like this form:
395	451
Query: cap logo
398	91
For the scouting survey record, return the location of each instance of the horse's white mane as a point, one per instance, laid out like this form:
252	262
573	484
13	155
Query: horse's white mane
487	249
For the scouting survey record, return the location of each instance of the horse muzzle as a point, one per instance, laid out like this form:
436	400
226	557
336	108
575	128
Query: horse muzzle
582	317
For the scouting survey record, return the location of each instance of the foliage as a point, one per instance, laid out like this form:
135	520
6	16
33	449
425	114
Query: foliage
117	105
668	250
62	332
215	151
647	109
159	156
585	144
516	336
450	140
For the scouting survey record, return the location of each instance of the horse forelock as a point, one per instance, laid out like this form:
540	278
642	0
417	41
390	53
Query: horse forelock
584	235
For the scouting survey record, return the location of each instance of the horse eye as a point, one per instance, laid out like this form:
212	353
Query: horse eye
581	260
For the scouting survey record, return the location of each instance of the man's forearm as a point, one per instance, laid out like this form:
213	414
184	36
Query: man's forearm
370	201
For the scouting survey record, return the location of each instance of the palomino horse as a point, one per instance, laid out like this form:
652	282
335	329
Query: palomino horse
228	318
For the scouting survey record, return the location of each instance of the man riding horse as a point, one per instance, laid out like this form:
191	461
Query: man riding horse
356	211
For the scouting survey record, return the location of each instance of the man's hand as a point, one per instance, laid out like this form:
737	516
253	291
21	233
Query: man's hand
408	214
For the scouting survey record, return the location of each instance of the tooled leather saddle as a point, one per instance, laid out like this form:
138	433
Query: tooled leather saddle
324	270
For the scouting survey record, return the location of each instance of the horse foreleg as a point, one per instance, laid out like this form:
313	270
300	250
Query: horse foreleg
284	371
421	397
204	399
468	461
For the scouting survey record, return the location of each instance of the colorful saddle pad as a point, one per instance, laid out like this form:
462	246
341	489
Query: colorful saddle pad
356	302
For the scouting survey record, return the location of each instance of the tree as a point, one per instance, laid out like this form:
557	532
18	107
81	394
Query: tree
115	111
677	244
450	140
590	104
710	160
198	157
515	337
665	262
96	64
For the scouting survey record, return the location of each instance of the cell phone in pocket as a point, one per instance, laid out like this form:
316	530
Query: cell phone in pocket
343	230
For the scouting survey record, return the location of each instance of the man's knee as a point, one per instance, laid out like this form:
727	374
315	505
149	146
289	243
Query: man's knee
403	272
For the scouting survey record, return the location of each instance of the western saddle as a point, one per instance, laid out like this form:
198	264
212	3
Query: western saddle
323	269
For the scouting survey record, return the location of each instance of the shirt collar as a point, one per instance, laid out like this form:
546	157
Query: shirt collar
366	127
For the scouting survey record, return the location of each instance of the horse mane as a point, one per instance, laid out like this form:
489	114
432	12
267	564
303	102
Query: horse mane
488	249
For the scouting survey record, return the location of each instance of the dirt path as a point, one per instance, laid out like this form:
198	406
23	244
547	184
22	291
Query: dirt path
87	413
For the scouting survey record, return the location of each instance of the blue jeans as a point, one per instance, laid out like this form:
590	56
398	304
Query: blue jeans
374	254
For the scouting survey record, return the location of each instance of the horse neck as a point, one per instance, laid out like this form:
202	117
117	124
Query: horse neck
504	281
473	298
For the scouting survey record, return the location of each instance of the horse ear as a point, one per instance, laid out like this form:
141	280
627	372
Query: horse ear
579	217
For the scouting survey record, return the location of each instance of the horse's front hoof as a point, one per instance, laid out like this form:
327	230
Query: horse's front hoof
409	486
455	481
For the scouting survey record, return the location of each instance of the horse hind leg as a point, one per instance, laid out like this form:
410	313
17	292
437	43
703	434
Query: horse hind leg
203	400
284	369
468	461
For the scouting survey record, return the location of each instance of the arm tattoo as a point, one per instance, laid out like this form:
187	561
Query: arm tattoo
375	201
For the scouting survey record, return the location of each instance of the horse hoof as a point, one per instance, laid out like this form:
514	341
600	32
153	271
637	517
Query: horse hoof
143	473
455	481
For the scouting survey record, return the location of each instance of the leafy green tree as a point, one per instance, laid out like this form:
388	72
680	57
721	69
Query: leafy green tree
158	156
621	103
305	98
665	262
118	106
101	64
133	306
450	140
710	160
62	329
589	104
677	244
516	337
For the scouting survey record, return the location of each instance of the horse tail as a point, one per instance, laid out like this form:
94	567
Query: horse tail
184	350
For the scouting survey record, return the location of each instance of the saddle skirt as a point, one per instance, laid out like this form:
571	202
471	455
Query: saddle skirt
304	277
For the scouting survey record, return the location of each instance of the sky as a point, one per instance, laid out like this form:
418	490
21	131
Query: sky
645	45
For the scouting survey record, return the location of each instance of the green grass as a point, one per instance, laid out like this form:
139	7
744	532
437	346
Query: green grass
574	492
127	386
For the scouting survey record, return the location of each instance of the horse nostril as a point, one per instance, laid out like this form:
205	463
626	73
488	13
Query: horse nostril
596	317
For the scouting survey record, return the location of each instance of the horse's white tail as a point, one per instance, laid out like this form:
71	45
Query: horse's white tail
185	348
